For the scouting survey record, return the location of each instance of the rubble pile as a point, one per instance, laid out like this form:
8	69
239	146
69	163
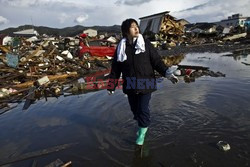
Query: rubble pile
173	32
44	65
209	33
170	29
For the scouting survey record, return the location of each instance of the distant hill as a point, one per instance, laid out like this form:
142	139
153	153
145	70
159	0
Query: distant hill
68	31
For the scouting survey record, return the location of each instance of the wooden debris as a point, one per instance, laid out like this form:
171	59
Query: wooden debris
192	67
39	62
67	164
170	26
51	78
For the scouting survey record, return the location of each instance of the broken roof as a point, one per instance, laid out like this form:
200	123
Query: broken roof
183	20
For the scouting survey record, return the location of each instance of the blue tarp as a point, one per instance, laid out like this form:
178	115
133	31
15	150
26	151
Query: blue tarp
12	60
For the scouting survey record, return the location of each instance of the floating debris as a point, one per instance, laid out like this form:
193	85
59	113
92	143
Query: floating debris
222	145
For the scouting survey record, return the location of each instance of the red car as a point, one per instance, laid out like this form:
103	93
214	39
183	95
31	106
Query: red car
100	48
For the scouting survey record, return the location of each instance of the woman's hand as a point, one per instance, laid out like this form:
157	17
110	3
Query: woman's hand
170	76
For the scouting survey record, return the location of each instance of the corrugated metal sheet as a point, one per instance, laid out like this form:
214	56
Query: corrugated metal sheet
151	24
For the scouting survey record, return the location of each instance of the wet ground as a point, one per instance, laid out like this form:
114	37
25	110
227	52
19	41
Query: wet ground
96	129
208	47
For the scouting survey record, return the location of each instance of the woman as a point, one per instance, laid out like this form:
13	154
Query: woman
136	59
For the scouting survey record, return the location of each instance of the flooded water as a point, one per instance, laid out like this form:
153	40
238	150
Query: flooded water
95	129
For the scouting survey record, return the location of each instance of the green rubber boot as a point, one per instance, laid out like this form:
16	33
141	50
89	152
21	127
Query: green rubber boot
141	136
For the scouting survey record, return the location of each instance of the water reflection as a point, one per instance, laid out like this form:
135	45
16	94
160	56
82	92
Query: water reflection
190	73
239	54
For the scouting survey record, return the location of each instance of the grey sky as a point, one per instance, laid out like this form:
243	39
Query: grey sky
131	2
64	13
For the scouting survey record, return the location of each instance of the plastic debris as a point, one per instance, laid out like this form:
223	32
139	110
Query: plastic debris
222	145
12	60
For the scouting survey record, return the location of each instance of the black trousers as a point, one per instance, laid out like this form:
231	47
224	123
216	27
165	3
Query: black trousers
139	104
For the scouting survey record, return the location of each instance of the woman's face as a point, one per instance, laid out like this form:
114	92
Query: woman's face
133	30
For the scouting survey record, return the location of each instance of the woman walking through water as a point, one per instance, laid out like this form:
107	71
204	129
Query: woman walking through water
136	59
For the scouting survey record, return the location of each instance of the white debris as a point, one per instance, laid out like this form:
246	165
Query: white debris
223	146
112	39
69	55
43	80
59	58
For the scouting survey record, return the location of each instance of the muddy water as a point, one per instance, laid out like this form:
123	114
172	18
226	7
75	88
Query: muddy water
187	122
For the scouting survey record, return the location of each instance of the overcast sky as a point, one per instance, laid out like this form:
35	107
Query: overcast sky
64	13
